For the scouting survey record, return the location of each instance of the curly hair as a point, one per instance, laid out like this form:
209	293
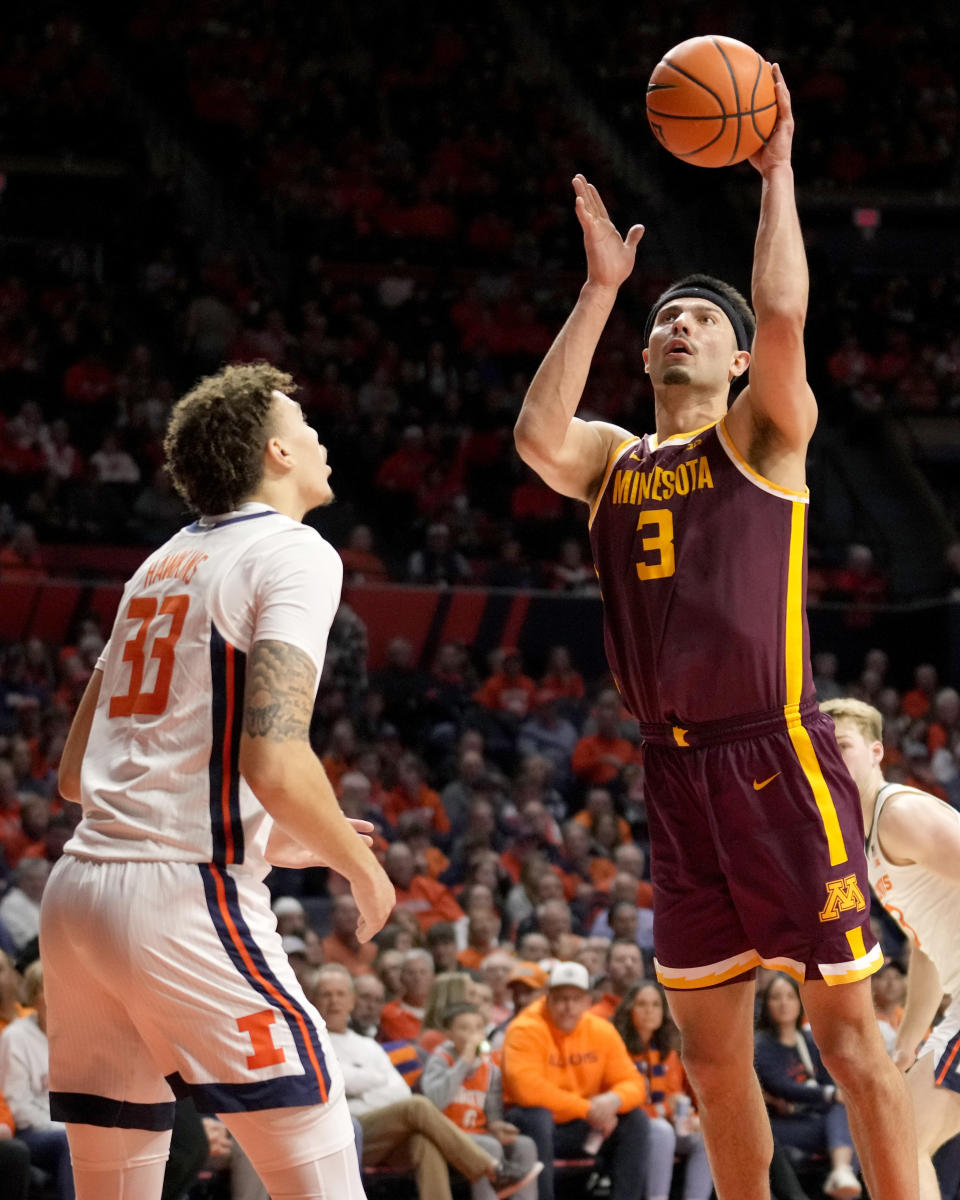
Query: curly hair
217	434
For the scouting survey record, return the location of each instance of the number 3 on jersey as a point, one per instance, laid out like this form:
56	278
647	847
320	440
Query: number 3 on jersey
146	610
659	543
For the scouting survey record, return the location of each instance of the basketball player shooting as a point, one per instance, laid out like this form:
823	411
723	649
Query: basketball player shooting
698	536
190	755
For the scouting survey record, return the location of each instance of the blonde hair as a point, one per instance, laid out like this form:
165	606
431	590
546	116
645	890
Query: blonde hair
866	718
32	983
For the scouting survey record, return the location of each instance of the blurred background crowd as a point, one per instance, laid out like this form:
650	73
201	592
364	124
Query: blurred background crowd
390	219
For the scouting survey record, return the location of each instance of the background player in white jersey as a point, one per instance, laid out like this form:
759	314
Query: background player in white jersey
191	758
913	860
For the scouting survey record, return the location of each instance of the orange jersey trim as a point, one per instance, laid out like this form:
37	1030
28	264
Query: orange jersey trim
277	996
944	1070
226	775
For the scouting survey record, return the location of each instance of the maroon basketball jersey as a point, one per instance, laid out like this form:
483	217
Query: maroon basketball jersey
702	566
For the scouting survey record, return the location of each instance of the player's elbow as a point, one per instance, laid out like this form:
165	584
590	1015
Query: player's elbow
533	447
68	782
278	773
266	766
525	440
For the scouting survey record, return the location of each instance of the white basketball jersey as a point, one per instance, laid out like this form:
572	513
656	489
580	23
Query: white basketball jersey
926	906
160	779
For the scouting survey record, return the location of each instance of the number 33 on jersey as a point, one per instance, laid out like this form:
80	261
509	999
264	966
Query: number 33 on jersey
171	698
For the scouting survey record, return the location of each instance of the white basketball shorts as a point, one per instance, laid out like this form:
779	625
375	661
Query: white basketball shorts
167	979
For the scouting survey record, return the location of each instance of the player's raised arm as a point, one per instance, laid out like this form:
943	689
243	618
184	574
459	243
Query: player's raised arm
279	764
778	394
567	453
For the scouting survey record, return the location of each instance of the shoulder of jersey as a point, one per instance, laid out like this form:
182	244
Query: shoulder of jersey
315	543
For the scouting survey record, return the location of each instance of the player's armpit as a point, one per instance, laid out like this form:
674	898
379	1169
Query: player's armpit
279	693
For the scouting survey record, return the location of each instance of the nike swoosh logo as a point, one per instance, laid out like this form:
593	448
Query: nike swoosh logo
636	456
763	784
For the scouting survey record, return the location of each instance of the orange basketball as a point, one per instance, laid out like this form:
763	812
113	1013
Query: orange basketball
711	101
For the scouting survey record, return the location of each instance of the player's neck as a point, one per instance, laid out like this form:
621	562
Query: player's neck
680	409
284	499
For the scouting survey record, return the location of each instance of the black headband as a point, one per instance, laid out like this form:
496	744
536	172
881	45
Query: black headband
702	293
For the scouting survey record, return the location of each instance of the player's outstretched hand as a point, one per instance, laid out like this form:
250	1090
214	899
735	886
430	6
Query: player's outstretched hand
375	897
777	150
610	257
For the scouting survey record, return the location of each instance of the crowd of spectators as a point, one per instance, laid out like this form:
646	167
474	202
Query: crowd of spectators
413	366
509	809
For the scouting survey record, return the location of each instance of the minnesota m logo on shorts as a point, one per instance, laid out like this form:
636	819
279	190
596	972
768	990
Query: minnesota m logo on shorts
842	895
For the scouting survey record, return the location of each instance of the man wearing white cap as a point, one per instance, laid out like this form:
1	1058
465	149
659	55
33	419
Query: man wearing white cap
569	1084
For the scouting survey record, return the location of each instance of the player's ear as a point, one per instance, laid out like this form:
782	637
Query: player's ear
739	364
276	455
876	752
646	361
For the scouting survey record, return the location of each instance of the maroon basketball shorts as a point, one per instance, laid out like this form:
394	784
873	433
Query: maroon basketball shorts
757	855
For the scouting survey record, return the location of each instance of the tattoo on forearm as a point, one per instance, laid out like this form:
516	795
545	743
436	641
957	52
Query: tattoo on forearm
278	701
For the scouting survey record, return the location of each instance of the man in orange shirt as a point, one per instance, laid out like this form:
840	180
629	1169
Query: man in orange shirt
427	898
341	944
508	692
412	795
569	1083
600	758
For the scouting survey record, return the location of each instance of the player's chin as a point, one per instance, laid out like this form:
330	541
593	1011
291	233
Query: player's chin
676	374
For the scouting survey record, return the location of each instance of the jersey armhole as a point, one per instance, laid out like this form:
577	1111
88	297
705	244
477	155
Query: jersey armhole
754	477
611	463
